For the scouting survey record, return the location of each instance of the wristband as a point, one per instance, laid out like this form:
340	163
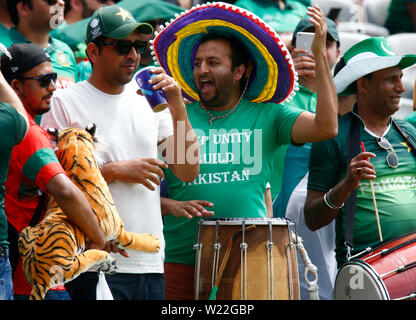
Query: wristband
329	203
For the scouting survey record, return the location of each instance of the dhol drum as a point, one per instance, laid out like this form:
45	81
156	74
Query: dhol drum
386	272
246	258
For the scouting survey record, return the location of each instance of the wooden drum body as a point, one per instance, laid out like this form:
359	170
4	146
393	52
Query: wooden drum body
247	258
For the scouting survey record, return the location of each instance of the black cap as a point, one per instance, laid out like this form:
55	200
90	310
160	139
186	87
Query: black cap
25	56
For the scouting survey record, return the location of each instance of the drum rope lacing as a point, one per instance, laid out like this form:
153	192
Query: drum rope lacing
309	268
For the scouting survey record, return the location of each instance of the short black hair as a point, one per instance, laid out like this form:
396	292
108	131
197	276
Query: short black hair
11	7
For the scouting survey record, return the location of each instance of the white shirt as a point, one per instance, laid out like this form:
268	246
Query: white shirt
129	129
319	244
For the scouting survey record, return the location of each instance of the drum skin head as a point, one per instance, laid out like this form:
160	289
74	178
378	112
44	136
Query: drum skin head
356	280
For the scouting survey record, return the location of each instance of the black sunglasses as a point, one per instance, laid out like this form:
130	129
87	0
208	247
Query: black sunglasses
124	47
391	158
44	79
51	2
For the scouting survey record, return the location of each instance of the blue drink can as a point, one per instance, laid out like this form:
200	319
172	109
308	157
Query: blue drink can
155	98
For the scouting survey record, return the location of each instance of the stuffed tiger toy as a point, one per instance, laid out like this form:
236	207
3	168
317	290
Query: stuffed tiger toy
55	245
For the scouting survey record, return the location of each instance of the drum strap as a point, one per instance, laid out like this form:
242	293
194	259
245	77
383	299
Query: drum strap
353	151
409	141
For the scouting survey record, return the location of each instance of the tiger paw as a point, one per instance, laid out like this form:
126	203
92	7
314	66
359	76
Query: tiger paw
149	242
109	265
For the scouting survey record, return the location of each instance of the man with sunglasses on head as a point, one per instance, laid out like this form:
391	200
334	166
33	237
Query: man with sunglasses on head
34	170
34	20
132	134
369	153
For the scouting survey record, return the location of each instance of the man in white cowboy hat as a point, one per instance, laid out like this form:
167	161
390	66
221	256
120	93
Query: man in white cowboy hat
370	165
234	118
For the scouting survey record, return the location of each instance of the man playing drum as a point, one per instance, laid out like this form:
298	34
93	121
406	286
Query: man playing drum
370	165
237	71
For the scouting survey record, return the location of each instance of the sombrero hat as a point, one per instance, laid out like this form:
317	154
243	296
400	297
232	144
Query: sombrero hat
273	77
366	57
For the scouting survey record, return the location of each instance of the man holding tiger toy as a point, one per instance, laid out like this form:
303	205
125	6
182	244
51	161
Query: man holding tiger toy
131	134
34	170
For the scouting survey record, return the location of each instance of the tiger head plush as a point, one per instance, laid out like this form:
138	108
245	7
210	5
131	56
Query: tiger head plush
53	252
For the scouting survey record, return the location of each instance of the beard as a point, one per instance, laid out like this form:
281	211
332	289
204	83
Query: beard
208	102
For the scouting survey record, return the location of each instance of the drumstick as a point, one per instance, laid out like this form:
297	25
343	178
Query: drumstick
374	201
224	262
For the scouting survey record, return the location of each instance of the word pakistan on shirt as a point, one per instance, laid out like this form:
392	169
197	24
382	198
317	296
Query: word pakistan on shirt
233	154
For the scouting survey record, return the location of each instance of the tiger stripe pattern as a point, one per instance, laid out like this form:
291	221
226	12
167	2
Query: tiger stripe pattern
53	252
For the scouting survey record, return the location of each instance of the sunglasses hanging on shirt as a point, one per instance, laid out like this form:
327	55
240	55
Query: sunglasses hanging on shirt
391	158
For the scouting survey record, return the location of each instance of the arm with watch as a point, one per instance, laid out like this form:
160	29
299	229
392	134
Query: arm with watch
323	207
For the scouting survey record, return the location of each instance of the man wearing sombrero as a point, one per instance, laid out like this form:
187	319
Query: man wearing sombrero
210	50
377	186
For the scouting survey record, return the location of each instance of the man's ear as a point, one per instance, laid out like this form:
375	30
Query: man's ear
362	85
93	52
17	86
23	10
239	71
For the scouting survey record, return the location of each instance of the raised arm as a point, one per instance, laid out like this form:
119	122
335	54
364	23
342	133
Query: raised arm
73	202
7	95
181	149
323	125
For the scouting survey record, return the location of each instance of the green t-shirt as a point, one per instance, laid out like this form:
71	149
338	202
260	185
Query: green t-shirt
12	130
4	36
398	18
411	118
395	189
237	155
280	20
62	58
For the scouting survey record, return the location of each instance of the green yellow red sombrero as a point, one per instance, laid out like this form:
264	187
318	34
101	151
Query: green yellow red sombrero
273	78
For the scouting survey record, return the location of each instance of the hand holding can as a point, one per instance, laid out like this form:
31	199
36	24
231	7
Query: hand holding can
155	98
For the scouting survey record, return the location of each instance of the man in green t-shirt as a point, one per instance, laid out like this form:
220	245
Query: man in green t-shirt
34	20
282	16
237	133
401	16
13	128
381	157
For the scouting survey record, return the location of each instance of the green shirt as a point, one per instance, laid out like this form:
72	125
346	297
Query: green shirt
12	130
62	58
398	18
237	154
411	118
395	189
4	36
280	20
